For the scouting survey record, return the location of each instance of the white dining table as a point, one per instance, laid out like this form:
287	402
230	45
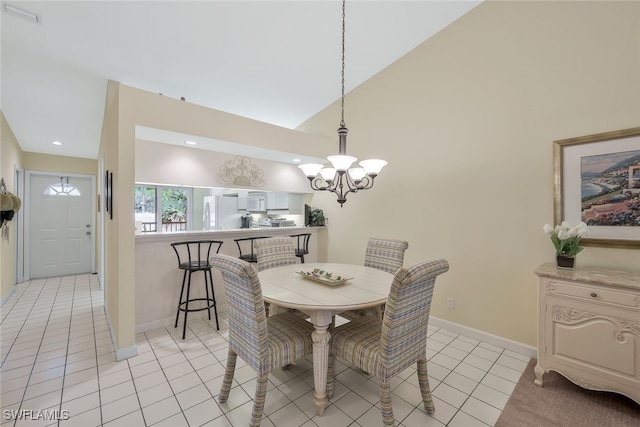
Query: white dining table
283	286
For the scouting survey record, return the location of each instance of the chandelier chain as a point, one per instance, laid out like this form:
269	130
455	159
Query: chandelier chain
342	179
343	32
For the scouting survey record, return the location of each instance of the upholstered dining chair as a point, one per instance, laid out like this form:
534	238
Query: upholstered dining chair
264	343
386	347
383	254
275	252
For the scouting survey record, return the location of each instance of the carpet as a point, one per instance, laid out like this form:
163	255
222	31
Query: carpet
562	403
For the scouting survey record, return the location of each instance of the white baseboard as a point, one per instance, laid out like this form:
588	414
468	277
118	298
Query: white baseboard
121	353
498	341
170	321
6	297
127	352
160	323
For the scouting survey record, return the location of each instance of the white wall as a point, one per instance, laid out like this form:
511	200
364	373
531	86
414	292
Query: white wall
170	164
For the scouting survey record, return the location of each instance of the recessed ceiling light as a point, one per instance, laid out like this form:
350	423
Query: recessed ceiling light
56	142
191	143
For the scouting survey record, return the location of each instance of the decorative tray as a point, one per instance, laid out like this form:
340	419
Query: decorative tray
324	277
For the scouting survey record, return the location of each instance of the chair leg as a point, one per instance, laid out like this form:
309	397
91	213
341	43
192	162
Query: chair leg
186	307
385	404
213	297
228	376
206	290
258	401
423	380
184	277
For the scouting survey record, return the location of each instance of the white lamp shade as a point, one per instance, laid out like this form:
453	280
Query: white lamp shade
357	174
373	166
341	162
328	174
311	169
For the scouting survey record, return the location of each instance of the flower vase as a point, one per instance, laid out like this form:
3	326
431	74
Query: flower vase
565	261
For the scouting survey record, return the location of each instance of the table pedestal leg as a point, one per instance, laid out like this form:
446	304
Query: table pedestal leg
320	339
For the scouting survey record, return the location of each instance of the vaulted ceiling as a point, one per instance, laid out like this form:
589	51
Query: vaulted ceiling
273	61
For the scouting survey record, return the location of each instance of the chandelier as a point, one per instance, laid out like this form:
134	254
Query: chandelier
341	178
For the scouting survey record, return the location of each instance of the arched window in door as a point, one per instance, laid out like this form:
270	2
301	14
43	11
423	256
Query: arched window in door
62	189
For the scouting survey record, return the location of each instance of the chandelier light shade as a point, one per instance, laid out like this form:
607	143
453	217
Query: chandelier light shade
341	178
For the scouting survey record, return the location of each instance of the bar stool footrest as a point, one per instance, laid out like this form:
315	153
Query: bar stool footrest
212	304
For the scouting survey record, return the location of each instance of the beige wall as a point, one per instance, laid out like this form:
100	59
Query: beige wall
108	154
51	163
10	159
467	122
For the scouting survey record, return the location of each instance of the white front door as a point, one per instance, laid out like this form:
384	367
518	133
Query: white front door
60	225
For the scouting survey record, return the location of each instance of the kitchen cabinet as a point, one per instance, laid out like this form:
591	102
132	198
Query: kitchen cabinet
295	204
242	199
589	328
277	201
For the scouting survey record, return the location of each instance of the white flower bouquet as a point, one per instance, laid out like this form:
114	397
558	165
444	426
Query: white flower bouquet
565	238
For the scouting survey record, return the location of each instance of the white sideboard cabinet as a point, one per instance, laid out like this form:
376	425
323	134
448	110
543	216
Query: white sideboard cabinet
589	328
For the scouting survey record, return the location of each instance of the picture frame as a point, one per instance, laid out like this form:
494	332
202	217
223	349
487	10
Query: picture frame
597	181
108	193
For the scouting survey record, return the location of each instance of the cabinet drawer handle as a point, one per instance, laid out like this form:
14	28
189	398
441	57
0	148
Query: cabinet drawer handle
593	294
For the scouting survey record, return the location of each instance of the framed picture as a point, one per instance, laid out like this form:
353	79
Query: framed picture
597	181
108	193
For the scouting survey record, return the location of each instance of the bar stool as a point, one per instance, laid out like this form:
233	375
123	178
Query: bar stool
303	245
194	256
251	256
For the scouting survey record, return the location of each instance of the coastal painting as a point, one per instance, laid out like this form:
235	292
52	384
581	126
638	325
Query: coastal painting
610	189
597	181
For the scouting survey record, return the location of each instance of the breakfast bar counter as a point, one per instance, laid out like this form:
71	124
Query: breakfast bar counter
158	279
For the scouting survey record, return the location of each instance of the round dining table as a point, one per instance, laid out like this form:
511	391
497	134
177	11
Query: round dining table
286	287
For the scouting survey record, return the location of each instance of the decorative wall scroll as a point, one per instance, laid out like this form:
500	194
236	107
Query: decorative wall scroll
241	172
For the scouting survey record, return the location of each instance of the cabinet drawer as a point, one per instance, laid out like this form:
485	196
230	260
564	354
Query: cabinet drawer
593	293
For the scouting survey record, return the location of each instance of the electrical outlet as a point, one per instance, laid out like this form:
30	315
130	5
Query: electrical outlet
451	303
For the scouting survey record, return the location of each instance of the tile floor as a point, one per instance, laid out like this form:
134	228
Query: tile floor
58	368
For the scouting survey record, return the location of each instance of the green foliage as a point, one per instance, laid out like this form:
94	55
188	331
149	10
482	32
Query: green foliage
316	217
174	205
145	199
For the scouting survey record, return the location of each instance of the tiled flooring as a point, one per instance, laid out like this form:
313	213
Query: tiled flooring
58	362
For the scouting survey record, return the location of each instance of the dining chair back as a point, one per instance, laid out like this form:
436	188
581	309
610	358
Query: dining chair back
274	252
302	245
384	348
193	256
249	253
383	254
264	343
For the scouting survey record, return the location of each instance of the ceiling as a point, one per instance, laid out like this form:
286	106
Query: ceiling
273	61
